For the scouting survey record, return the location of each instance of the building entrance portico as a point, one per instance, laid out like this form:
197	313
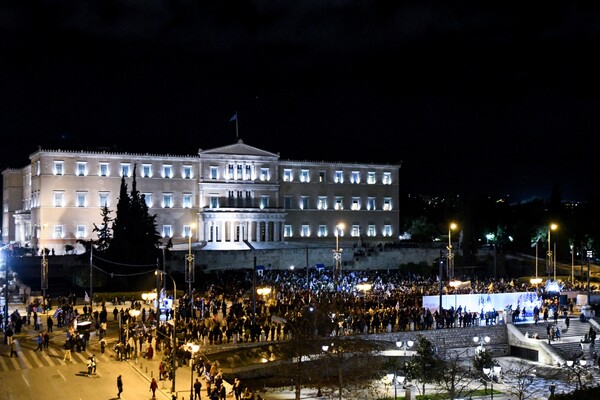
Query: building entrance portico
233	227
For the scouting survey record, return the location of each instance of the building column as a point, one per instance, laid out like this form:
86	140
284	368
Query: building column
258	230
250	225
267	232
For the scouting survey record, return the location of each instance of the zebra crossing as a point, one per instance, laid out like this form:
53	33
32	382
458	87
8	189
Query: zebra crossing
28	358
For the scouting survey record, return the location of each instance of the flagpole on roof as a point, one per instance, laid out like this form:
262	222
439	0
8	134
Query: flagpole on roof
234	117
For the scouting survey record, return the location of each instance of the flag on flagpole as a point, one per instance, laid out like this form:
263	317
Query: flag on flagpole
233	117
86	298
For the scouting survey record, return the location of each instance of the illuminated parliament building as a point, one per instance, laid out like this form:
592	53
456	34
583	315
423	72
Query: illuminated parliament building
230	197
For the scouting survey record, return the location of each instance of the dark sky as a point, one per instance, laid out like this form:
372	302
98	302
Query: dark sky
470	98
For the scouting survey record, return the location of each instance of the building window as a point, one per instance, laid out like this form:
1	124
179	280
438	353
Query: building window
321	176
214	172
322	203
322	231
80	231
58	199
304	176
187	231
230	171
264	201
371	231
287	175
148	199
58	232
187	201
339	177
81	168
146	170
167	200
371	180
104	199
265	175
126	170
287	202
304	202
356	203
103	169
166	231
339	203
248	172
239	171
38	167
355	231
59	168
387	204
387	230
167	171
355	177
81	198
387	178
214	202
186	172
305	230
371	204
287	231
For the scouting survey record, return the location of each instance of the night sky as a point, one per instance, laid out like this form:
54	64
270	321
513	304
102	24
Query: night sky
471	98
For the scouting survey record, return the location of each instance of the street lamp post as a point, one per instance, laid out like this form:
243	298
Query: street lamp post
455	285
193	348
190	268
482	341
550	265
492	373
404	345
450	271
578	369
133	314
173	350
337	253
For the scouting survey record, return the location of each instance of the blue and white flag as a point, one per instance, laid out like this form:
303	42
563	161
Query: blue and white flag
233	118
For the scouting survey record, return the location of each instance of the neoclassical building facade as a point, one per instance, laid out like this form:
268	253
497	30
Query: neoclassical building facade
223	198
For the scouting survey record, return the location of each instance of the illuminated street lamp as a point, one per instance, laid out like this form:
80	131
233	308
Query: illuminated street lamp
189	271
482	341
578	369
455	285
549	263
193	348
337	253
452	227
173	354
133	314
404	345
492	373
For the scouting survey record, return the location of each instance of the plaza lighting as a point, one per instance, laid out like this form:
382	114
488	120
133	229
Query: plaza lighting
452	227
189	276
482	341
400	379
159	272
133	314
550	265
455	284
492	373
337	254
193	348
263	291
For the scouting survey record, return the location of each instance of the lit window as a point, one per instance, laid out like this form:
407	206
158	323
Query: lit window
387	178
58	232
58	199
81	168
187	231
59	167
265	175
167	201
355	231
321	176
167	171
287	231
322	230
322	203
214	202
304	203
287	175
304	176
239	170
126	170
287	202
104	199
355	177
355	203
166	231
339	177
248	172
81	198
387	204
214	172
371	204
187	201
186	172
305	231
146	170
387	230
103	169
230	171
264	201
81	231
371	231
371	180
148	199
339	203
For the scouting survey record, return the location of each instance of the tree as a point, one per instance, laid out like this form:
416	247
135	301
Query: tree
519	379
425	366
482	359
456	377
103	232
